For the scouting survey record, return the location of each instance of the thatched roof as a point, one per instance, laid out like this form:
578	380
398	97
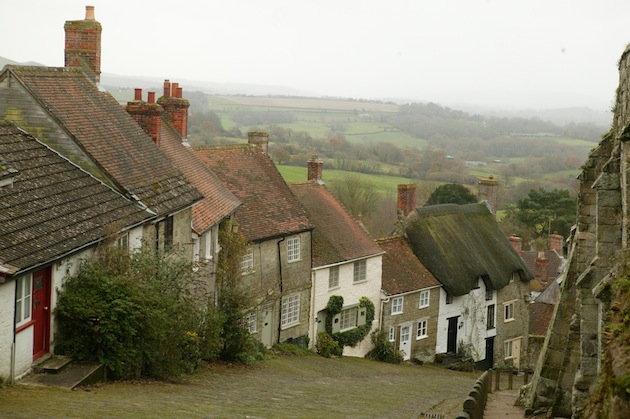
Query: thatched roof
460	243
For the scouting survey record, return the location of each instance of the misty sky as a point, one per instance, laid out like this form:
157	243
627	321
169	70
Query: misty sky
515	53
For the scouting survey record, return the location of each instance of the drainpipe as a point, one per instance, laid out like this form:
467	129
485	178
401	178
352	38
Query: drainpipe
383	302
13	344
280	272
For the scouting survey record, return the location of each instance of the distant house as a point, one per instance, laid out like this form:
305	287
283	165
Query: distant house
276	267
52	214
484	302
410	301
346	263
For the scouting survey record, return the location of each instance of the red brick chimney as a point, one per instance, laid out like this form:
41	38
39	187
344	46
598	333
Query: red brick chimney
175	107
488	190
315	165
406	199
556	243
83	44
147	114
542	263
259	138
517	244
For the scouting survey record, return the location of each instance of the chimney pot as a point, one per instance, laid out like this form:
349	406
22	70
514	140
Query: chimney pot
259	138
137	94
167	88
180	93
151	97
174	87
89	13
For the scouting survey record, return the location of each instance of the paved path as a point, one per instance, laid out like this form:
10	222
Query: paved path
501	405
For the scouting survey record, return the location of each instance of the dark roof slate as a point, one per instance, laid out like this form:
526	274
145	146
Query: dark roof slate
53	207
107	133
402	270
337	237
269	208
218	201
460	243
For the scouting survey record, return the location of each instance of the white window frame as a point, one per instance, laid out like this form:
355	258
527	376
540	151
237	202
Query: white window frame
392	334
422	330
196	248
359	273
122	241
508	311
23	300
290	311
208	246
348	318
424	302
293	249
333	277
247	263
250	321
398	305
508	349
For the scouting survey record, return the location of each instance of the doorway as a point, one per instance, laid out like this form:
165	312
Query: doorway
451	340
41	312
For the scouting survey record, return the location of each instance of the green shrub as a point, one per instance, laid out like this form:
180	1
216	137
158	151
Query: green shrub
383	350
326	346
133	313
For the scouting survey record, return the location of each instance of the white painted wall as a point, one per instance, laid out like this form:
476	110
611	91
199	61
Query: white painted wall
472	310
351	293
7	308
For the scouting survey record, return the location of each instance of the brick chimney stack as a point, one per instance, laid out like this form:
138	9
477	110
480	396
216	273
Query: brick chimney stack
488	190
259	138
147	114
517	244
406	199
556	243
83	44
542	264
315	165
175	107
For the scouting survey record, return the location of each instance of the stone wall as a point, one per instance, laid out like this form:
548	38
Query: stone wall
570	361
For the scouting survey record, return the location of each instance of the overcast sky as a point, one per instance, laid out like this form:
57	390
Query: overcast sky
514	53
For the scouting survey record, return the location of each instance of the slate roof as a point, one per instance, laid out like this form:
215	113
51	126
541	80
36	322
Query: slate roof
54	207
402	271
337	237
269	208
218	201
460	243
112	138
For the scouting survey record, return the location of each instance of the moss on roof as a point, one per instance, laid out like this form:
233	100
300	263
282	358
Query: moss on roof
460	243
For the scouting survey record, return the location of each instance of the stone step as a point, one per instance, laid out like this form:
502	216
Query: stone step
76	375
54	365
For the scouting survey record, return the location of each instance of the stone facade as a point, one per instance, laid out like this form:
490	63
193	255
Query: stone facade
422	347
514	328
570	361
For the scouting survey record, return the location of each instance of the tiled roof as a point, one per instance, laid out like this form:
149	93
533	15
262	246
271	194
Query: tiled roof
402	271
218	201
539	318
461	243
109	135
555	262
337	236
269	209
53	207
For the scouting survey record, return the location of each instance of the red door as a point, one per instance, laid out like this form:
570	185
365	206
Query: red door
41	312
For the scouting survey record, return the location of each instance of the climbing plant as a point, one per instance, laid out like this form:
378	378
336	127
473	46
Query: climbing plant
353	336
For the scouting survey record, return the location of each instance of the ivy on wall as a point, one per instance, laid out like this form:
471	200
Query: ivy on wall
353	336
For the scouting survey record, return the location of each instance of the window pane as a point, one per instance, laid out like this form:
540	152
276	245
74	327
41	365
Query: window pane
293	249
333	278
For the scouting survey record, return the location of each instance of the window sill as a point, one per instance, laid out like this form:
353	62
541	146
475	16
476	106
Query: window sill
333	288
24	326
508	320
427	306
288	326
398	313
422	337
359	282
294	260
